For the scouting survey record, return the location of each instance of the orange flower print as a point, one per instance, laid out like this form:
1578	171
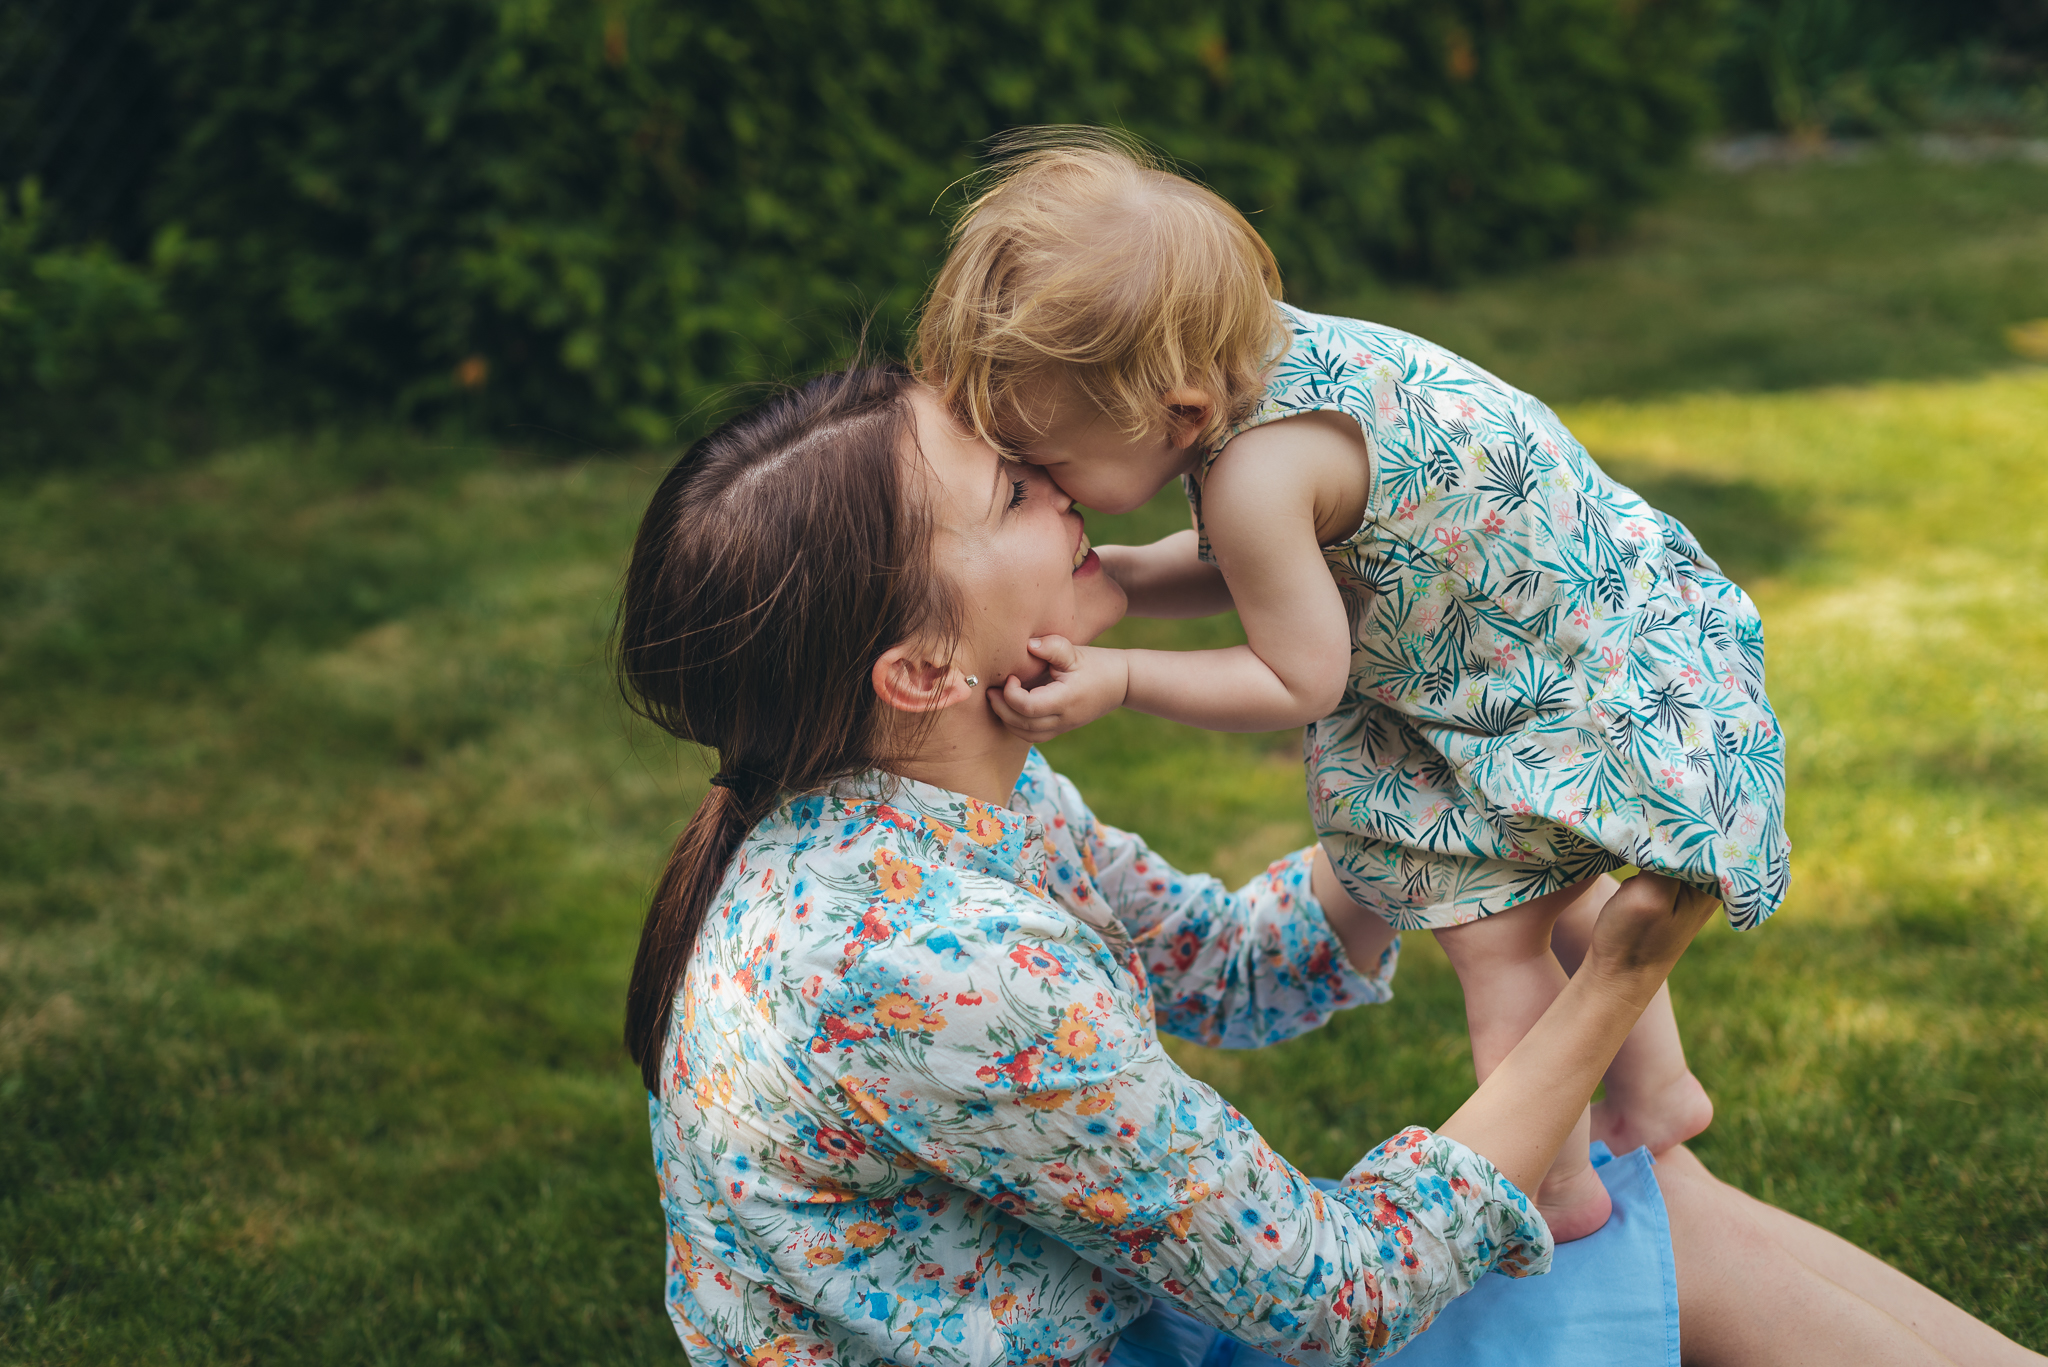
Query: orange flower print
899	878
898	1011
982	826
1103	1207
1096	1103
1002	1304
1045	1101
866	1234
824	1256
1180	1222
865	1101
773	1354
1075	1037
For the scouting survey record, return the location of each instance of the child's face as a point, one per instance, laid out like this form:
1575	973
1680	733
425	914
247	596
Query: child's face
1102	466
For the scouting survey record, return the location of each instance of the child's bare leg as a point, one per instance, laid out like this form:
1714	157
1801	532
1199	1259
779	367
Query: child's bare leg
1365	936
1510	979
1652	1097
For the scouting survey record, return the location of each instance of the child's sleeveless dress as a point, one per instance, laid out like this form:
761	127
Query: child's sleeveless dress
1549	677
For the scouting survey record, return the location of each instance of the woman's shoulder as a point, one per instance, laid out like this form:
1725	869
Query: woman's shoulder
887	877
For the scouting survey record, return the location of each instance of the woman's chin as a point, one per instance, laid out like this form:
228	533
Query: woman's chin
1099	603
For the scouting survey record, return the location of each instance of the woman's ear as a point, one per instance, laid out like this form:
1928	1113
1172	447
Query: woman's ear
907	682
1188	411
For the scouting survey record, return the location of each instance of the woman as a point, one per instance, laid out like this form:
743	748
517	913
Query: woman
895	1000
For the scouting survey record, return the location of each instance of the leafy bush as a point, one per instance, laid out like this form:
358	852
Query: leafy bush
1864	66
585	218
84	338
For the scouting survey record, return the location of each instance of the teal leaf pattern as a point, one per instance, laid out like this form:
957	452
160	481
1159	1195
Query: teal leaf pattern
1550	678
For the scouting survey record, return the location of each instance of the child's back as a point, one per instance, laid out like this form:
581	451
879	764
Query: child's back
1549	677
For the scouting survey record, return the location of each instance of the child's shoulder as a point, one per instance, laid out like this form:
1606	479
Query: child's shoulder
1359	366
1327	342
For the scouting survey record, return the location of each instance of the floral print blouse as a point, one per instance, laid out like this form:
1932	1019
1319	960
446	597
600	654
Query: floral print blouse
915	1109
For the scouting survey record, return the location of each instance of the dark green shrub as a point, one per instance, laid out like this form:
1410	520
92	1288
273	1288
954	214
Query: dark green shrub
85	340
1877	66
583	219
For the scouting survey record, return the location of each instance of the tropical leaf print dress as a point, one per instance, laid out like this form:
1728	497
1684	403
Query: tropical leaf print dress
1549	677
914	1107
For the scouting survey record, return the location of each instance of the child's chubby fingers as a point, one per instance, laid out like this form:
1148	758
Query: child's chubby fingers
1063	655
1015	707
1045	701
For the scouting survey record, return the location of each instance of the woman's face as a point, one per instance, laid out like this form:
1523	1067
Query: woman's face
1014	549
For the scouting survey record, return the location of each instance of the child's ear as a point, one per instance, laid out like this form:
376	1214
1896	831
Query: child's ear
907	682
1188	411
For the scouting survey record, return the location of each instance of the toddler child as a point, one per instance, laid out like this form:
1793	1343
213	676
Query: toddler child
1515	675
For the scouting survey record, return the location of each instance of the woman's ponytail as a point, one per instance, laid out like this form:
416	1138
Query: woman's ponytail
777	560
696	866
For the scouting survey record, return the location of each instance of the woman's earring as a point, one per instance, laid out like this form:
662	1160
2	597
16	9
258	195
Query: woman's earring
972	681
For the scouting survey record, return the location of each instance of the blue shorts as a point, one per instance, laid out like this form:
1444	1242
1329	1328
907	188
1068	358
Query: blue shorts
1609	1300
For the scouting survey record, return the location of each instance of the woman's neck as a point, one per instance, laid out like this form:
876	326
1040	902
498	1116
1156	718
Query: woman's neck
967	750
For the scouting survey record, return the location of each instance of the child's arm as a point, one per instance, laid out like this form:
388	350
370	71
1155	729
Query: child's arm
1167	578
1273	498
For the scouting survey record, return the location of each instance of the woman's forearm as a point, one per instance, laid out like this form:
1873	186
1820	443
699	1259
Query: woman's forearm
1522	1113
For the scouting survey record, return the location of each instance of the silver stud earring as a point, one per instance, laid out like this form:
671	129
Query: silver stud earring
972	681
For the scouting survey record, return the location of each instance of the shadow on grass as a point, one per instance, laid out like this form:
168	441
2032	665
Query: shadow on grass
1752	529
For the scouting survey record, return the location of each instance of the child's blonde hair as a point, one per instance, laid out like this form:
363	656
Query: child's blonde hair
1086	258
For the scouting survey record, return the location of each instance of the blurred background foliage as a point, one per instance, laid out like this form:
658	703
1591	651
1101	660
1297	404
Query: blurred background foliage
1814	67
568	222
572	220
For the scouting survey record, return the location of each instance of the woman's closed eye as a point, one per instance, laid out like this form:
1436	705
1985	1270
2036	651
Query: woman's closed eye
1017	493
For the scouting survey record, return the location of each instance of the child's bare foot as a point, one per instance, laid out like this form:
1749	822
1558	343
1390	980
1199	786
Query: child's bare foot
1657	1119
1574	1200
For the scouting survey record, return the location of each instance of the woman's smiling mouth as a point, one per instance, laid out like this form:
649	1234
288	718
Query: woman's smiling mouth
1083	552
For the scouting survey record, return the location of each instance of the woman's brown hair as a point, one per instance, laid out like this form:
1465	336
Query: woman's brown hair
779	558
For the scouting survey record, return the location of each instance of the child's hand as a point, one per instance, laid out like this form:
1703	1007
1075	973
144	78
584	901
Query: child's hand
1086	683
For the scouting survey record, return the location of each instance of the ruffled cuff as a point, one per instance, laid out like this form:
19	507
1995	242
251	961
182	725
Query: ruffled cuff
1445	1218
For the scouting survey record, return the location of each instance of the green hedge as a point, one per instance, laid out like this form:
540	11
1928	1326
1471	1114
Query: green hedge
1883	66
578	220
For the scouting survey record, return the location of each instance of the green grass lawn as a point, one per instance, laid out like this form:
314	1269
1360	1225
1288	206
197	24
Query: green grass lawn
323	842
